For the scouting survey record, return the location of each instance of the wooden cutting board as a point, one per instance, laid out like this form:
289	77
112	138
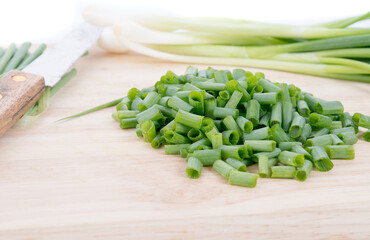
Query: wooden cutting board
88	179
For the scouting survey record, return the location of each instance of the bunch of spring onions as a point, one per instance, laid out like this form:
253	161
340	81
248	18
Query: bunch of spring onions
329	49
18	58
231	120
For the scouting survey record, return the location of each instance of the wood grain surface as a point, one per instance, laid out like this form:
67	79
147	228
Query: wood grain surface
88	179
19	91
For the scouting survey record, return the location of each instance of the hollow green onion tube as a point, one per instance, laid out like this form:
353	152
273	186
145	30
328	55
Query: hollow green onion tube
258	134
244	124
282	172
303	172
195	135
321	159
153	113
261	145
253	111
222	168
230	137
209	86
234	99
276	114
320	121
266	98
272	162
329	107
220	112
303	108
216	140
224	95
319	141
220	102
138	131
121	114
234	85
150	99
340	151
343	130
196	99
128	123
207	157
136	103
175	138
220	76
366	136
174	149
305	133
237	152
195	145
124	104
287	115
231	124
263	166
348	138
269	86
209	105
347	121
178	104
311	102
208	124
336	125
336	140
184	153
301	150
291	158
278	134
297	125
270	155
189	119
237	164
180	128
242	179
148	130
321	132
265	120
361	120
288	145
210	133
194	167
157	142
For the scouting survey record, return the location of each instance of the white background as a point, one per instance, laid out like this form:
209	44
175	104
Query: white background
45	21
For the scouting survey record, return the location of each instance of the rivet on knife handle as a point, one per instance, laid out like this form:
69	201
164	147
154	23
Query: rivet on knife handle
18	92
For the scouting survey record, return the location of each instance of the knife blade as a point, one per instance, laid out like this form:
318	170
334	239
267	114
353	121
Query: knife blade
19	90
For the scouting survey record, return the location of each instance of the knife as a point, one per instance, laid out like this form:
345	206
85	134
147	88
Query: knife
19	90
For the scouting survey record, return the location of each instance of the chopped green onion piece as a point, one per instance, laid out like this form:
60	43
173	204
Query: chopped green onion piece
253	111
303	108
234	100
336	140
229	137
311	102
207	157
242	178
128	123
321	159
150	99
319	141
272	154
258	134
231	124
343	130
305	132
237	152
237	164
340	151
189	119
126	114
336	125
220	112
209	86
196	99
222	168
265	120
366	136
194	167
157	142
321	132
180	128
288	145
303	172
361	120
216	140
152	113
234	85
348	138
291	158
195	135
244	124
278	134
178	104
266	98
283	172
195	145
296	128
329	107
263	166
148	130
261	145
175	138
320	121
268	86
301	150
276	114
173	149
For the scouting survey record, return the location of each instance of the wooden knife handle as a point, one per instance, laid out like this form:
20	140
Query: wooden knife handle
18	92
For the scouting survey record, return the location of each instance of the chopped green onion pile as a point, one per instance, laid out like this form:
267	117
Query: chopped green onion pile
231	120
331	49
13	58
